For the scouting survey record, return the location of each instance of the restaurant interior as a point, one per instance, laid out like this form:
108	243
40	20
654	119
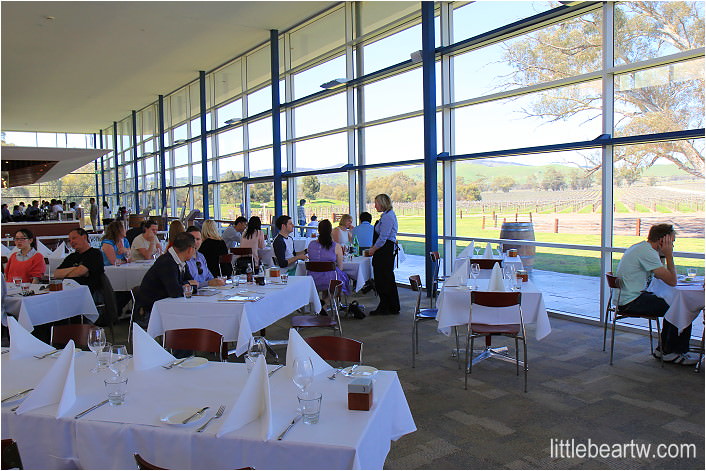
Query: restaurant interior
522	148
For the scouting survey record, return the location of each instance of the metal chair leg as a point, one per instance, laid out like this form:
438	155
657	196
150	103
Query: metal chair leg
649	323
612	339
524	346
414	343
659	343
517	356
465	370
605	327
458	356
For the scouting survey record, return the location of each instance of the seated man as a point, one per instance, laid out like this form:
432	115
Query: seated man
197	265
167	277
133	232
283	245
314	224
364	230
637	267
234	233
146	245
85	265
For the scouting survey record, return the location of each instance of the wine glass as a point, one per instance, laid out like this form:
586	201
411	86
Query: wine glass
118	359
256	349
303	373
96	343
475	271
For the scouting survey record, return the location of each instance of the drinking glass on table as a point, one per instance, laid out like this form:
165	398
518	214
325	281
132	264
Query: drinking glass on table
118	359
17	280
96	343
691	272
303	373
475	271
256	349
188	290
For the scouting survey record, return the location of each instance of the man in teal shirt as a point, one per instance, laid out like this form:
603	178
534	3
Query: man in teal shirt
637	267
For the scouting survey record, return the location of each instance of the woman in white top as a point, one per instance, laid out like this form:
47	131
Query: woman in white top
254	238
343	233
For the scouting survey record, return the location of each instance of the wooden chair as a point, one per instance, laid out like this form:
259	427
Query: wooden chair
243	256
487	263
200	340
109	307
435	259
225	265
333	348
333	321
10	454
495	299
61	334
144	464
615	283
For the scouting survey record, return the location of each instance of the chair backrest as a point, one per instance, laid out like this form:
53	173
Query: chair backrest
415	281
200	340
10	454
61	334
496	298
321	266
486	263
435	264
225	258
135	293
614	282
241	251
334	348
144	464
111	305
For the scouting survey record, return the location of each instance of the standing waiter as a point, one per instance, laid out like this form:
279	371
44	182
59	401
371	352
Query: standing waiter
383	253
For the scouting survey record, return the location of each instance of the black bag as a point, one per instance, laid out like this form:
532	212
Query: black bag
356	310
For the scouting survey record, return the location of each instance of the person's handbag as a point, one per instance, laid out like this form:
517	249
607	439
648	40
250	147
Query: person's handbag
356	310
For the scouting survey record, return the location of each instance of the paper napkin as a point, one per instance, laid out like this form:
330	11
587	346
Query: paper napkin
488	253
459	277
298	348
59	252
253	403
496	279
468	251
43	249
147	353
57	386
22	343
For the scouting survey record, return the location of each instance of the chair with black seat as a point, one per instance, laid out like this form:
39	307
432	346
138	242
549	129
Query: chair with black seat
143	463
435	259
10	454
333	348
136	310
225	264
243	257
109	308
487	263
332	321
199	340
617	313
516	330
61	334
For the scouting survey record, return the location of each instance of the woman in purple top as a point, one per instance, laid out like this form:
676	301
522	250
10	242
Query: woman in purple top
324	249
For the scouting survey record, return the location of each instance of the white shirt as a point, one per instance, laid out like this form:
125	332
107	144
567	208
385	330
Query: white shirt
176	258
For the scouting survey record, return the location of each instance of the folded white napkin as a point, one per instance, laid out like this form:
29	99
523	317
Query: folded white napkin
496	279
253	403
468	251
298	348
22	343
488	251
459	277
58	385
59	252
146	352
43	249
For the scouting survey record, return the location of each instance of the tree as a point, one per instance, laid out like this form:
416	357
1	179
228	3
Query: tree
261	193
532	182
503	183
579	179
553	180
310	187
467	191
644	103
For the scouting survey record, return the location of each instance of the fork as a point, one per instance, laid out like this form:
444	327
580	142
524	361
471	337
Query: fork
219	413
176	363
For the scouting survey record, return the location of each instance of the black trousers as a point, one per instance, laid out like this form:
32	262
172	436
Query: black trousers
650	303
383	272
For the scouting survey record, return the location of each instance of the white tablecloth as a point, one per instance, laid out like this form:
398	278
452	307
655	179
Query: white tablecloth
127	276
266	254
685	301
107	437
455	303
234	320
50	307
507	261
359	269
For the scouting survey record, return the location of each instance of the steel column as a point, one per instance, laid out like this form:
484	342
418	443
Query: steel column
134	161
276	132
162	166
204	143
115	154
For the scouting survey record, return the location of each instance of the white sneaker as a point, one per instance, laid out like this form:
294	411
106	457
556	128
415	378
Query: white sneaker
687	359
667	356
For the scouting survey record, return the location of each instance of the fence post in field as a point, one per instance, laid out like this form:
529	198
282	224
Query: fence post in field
637	226
461	214
515	216
556	226
530	215
483	223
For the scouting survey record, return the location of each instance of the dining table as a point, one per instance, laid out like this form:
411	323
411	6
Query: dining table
686	299
359	269
128	275
506	260
235	320
47	306
107	437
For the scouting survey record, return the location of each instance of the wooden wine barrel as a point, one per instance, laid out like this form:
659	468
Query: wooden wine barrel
520	231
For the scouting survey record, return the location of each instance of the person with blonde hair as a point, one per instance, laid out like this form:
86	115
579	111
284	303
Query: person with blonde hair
175	228
115	246
253	238
383	253
343	233
212	248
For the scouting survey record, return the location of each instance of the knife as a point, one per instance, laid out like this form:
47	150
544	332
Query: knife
291	424
39	357
195	414
91	409
18	394
277	368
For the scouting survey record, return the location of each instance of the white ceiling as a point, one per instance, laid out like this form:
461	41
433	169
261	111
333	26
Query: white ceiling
78	66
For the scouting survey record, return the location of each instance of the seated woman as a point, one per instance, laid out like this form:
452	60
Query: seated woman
324	249
115	245
25	262
212	248
343	233
254	238
175	228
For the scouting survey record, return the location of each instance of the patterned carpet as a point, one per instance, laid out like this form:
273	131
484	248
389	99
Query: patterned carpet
572	394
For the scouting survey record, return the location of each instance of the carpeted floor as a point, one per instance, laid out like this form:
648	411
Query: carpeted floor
572	394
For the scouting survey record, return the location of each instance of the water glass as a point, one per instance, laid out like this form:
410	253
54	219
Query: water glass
691	272
17	280
475	271
118	359
26	288
103	356
188	290
284	277
116	387
309	406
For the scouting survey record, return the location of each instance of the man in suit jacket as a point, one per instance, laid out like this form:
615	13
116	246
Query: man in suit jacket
167	277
